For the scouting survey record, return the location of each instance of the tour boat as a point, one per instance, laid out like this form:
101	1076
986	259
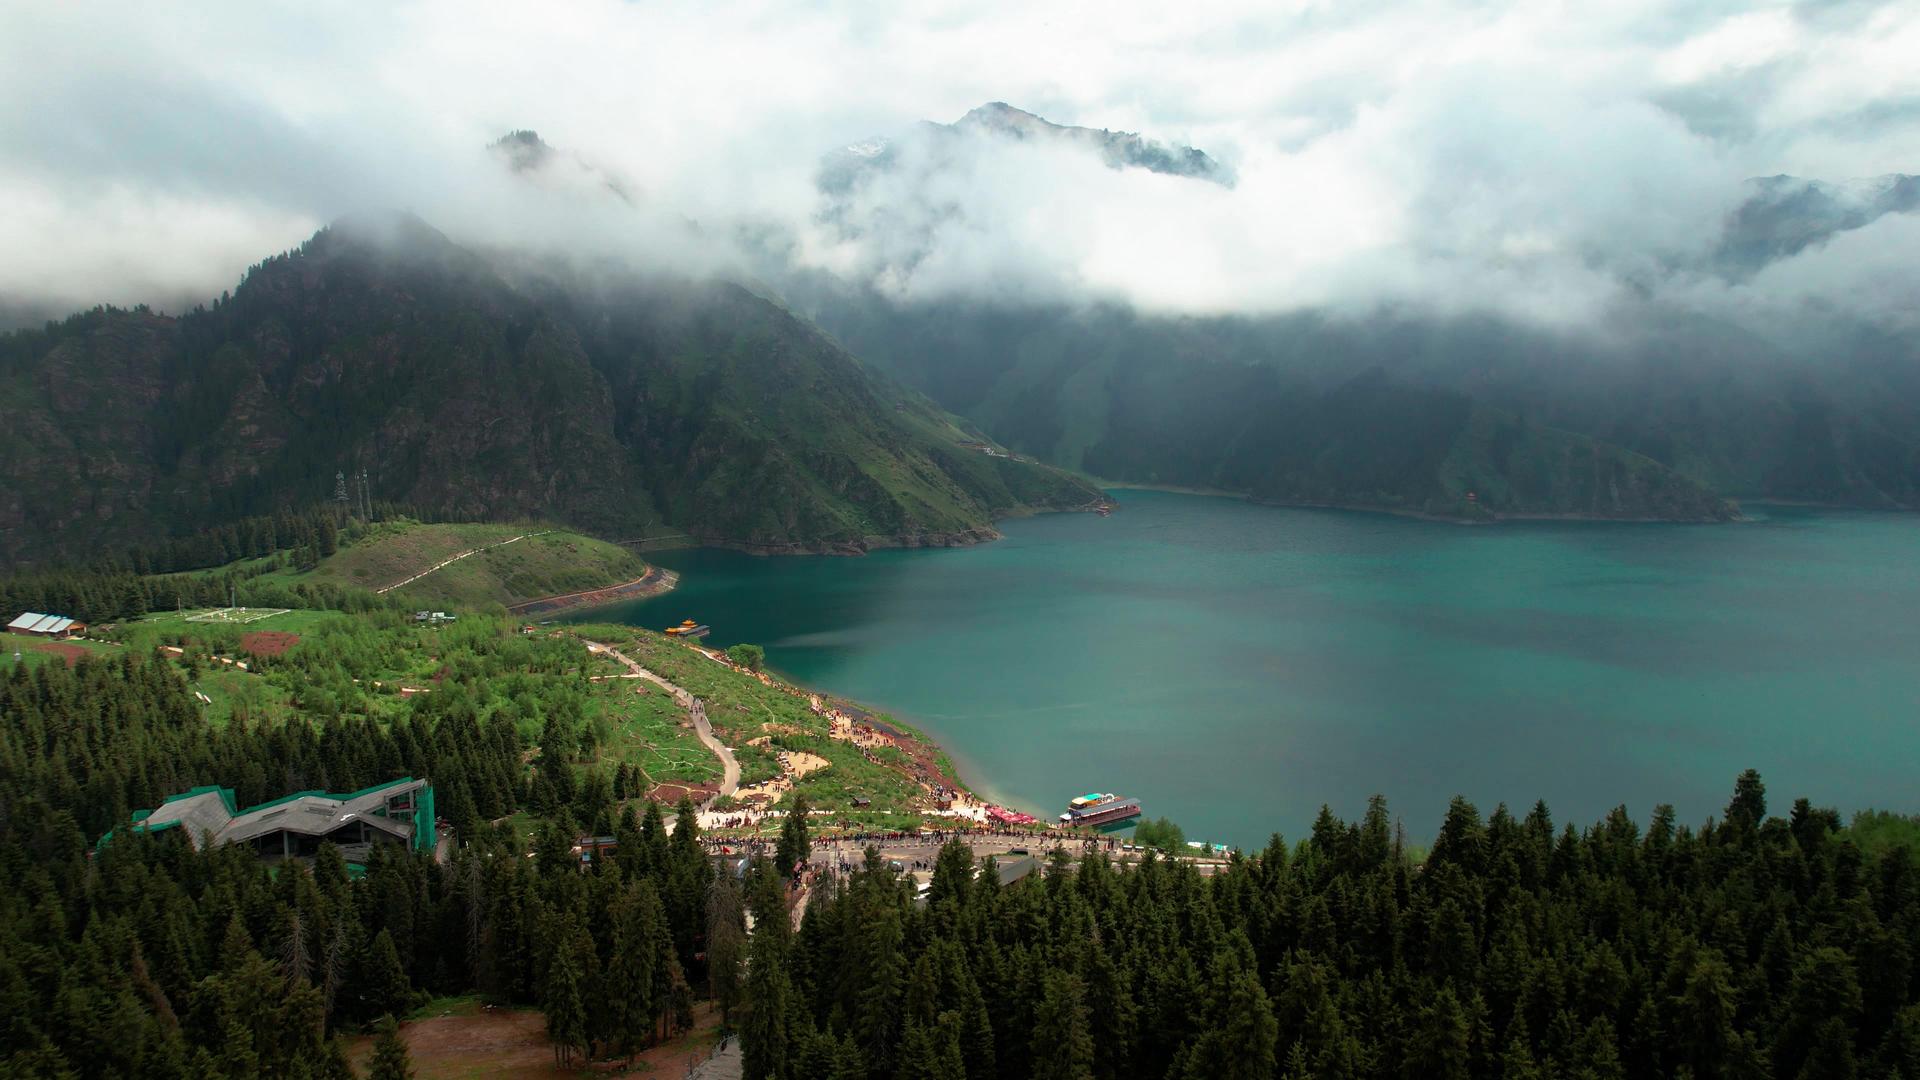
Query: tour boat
1108	811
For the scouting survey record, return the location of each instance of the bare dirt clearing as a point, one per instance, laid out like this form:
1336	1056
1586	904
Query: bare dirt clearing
472	1042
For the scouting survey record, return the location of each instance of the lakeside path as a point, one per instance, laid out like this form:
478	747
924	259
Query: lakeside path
730	766
655	581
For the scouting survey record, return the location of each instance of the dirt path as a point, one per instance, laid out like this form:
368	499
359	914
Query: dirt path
457	558
471	1041
730	767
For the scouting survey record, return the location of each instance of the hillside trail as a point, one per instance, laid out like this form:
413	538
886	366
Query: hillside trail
444	563
730	766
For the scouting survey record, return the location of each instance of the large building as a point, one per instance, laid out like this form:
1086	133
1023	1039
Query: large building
294	826
34	624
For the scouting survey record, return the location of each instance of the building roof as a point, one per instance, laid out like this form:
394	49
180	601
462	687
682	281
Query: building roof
33	622
209	812
1013	869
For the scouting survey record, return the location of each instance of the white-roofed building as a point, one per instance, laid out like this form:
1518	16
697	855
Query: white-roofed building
35	624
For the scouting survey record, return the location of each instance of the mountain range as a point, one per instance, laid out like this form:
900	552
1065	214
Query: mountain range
1669	415
484	386
787	413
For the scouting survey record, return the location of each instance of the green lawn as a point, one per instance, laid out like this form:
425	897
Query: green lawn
241	695
36	651
645	727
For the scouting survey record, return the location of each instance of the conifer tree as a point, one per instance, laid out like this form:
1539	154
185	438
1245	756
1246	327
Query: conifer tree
794	848
390	1060
1062	1035
563	997
726	944
767	1031
383	980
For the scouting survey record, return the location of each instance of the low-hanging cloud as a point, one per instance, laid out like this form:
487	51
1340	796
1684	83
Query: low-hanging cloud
1547	164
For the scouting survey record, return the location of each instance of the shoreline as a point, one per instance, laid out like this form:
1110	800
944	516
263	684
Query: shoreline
657	581
982	534
1492	518
1422	515
931	760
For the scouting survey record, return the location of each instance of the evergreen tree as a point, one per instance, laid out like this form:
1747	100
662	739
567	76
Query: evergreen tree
390	1060
794	848
383	982
1062	1036
767	1039
726	944
563	997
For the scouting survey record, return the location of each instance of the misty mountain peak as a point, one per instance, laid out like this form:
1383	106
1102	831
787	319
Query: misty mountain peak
1783	215
1120	149
845	169
391	229
525	153
523	150
1000	117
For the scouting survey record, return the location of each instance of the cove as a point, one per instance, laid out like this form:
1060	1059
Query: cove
1236	666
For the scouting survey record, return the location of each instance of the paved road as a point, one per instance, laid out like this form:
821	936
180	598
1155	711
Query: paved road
729	765
925	848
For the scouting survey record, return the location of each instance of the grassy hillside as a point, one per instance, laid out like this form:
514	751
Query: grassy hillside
761	720
545	561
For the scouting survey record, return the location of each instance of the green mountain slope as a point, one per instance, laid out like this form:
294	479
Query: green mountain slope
1376	443
1261	407
634	406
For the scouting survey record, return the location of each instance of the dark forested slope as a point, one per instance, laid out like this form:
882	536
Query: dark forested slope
1288	411
642	404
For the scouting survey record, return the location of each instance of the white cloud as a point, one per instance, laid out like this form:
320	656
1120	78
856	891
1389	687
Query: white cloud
1536	160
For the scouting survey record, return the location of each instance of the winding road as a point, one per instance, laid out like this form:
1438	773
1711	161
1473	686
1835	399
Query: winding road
730	766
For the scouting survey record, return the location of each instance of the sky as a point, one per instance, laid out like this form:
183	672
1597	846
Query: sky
1547	162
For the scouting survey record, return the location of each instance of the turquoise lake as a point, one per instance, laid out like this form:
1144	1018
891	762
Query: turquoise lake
1236	666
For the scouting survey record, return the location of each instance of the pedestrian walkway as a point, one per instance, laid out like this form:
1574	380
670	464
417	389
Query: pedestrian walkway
724	1065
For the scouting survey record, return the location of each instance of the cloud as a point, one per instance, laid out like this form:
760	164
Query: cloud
1867	272
1544	163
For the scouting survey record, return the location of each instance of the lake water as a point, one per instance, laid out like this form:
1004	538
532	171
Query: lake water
1236	666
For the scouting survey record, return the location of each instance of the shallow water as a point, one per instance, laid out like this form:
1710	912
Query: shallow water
1236	666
